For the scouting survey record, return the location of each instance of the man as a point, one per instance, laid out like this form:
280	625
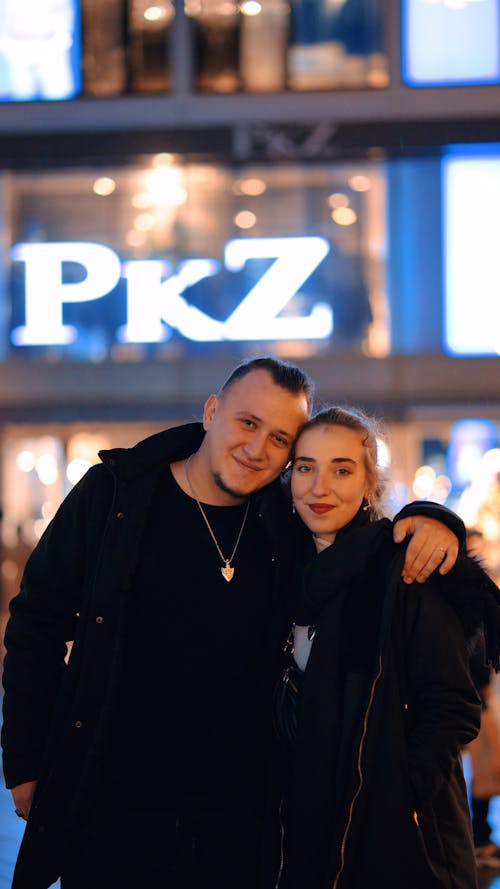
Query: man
142	761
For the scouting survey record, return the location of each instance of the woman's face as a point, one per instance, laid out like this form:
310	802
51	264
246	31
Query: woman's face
329	479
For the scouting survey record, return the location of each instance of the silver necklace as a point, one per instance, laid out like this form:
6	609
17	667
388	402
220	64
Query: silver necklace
227	569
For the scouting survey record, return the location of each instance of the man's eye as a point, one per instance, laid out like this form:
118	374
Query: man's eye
248	422
281	441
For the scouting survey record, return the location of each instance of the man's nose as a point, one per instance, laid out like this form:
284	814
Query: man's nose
255	448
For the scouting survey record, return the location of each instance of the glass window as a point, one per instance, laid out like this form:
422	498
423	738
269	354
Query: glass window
166	258
271	45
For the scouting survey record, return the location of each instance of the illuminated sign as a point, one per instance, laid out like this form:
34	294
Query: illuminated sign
450	42
471	188
40	50
156	295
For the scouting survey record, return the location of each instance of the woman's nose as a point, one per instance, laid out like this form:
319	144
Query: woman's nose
320	485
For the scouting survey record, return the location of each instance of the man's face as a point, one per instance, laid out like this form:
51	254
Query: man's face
250	429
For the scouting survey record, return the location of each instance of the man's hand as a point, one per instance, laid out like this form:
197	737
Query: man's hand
432	546
22	795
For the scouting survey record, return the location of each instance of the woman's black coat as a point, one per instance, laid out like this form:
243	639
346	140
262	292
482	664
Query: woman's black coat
377	796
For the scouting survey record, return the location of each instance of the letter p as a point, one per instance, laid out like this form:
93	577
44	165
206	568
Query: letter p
46	292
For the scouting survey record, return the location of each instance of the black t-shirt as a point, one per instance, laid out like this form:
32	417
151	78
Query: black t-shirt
191	719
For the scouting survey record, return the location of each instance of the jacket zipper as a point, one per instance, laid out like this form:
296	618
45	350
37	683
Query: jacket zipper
360	774
287	649
282	843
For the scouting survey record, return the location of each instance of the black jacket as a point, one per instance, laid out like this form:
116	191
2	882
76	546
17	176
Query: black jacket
75	587
377	795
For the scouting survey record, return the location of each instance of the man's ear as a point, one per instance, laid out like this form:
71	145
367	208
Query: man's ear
209	410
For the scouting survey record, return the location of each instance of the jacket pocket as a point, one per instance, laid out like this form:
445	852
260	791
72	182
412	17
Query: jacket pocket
429	839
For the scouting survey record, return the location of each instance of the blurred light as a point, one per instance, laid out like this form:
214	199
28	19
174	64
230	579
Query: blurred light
104	186
144	222
39	526
163	159
491	527
192	7
423	483
141	200
344	216
470	439
48	510
76	469
383	454
251	186
153	13
337	199
135	238
250	7
46	468
491	461
441	489
164	185
245	219
226	8
86	445
9	569
376	344
360	183
25	461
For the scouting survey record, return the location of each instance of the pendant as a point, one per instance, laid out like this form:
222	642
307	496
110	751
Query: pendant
227	571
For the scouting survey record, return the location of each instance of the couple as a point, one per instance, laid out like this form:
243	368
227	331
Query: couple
144	758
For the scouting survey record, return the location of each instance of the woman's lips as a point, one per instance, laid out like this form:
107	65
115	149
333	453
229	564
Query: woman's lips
320	508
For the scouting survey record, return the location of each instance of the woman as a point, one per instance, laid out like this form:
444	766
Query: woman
377	699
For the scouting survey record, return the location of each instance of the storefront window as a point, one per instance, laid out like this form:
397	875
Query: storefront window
166	259
272	45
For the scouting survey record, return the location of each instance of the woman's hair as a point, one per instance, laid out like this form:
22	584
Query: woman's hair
371	431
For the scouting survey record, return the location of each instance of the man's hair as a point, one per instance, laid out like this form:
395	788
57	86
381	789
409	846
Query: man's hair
289	377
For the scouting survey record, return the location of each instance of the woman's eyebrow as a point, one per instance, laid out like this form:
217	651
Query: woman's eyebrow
333	460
